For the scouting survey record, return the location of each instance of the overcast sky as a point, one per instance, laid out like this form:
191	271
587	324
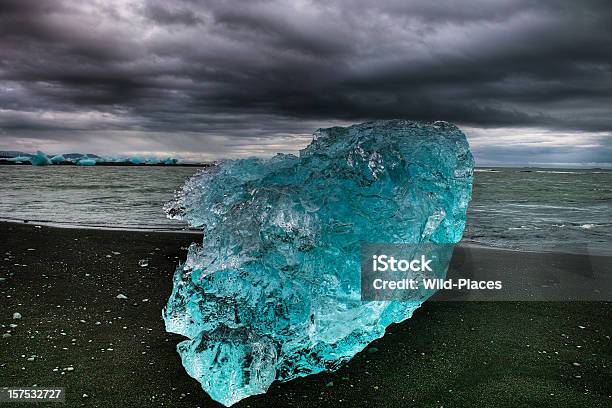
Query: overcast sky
528	81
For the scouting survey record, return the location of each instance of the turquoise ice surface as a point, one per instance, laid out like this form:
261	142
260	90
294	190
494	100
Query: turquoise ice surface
273	291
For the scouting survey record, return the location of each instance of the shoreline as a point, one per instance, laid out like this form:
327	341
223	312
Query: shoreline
51	224
65	282
193	231
107	164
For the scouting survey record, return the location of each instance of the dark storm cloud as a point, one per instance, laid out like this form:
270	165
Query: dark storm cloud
220	72
168	13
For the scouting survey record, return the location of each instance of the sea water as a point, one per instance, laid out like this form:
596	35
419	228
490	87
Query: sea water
98	197
530	209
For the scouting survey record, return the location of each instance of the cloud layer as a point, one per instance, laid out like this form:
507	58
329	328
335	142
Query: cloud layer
528	80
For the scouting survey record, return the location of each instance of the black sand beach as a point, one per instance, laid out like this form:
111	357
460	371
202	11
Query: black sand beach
74	332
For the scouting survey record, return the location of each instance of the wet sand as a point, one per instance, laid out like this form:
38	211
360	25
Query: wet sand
65	282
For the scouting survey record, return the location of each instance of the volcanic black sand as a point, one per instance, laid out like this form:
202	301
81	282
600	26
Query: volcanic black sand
108	352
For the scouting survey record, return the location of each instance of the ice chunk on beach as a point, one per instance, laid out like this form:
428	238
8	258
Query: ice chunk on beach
273	292
40	159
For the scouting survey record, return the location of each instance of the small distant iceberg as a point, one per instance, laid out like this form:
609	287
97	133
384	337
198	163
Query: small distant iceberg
136	160
40	159
58	159
81	159
86	161
74	157
19	159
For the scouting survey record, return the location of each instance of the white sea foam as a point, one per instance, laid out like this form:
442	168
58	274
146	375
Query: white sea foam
559	172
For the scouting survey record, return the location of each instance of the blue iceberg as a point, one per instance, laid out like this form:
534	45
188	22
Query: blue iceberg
20	159
58	159
40	159
273	292
136	160
86	161
114	159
